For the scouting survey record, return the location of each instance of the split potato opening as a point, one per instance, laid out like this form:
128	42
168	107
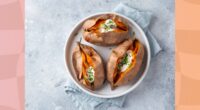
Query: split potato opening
88	66
105	30
124	62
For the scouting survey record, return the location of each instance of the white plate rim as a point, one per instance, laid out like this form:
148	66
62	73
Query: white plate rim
139	80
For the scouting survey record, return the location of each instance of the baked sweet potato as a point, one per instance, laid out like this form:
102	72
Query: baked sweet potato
124	62
105	30
88	66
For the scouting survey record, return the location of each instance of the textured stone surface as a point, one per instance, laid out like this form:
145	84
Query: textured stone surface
48	23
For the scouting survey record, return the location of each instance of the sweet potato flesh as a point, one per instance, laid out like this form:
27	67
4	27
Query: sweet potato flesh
117	76
86	63
119	28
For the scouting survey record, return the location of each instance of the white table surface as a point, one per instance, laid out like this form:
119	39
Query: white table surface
47	24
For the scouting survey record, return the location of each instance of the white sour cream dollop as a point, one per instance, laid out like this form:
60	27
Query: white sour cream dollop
90	73
129	61
109	25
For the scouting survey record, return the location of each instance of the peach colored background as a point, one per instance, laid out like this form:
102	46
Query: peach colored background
11	54
187	55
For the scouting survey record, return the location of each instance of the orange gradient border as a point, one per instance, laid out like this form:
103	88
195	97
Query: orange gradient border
187	90
11	54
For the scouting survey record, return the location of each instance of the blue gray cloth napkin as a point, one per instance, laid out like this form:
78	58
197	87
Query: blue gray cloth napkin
84	101
143	19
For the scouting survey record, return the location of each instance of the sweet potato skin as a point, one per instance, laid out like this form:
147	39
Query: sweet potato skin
99	75
104	39
117	53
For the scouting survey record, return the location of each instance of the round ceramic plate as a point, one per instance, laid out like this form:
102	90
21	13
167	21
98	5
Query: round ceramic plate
105	91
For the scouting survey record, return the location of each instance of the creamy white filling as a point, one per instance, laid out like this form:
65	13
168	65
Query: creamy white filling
109	25
90	73
129	61
104	30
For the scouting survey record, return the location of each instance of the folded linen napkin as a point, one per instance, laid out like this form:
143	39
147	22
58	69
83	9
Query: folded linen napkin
143	19
84	101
